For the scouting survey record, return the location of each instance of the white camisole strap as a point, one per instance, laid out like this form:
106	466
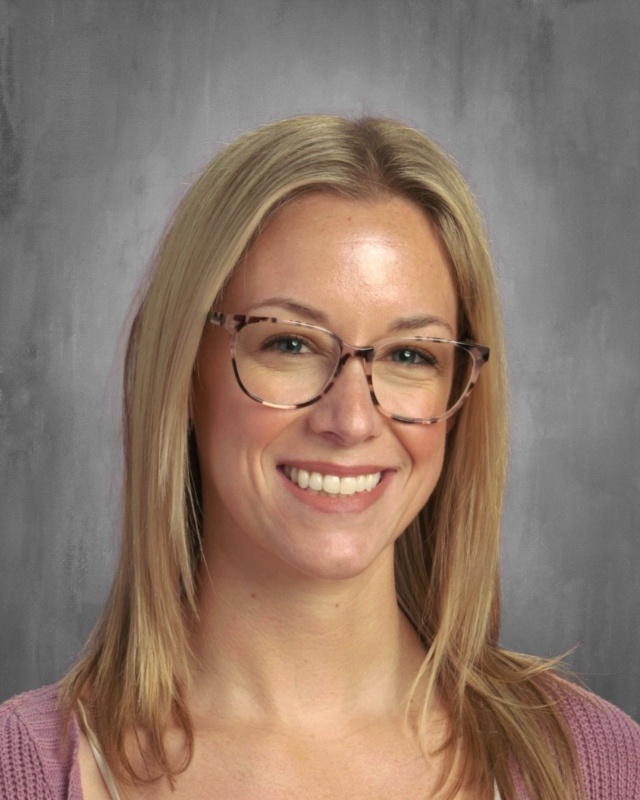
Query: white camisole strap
97	754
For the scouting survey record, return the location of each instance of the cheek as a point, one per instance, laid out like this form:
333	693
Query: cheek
232	432
212	397
426	449
214	391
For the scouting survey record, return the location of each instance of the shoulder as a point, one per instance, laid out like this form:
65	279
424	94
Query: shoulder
36	759
607	743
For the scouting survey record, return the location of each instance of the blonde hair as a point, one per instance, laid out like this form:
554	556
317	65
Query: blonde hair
137	663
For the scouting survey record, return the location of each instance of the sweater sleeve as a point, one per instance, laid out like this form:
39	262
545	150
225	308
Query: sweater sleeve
22	775
36	761
607	743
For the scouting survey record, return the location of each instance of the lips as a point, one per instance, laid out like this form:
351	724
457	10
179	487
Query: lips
331	484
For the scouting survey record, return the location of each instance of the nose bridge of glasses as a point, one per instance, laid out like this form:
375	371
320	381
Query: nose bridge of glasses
348	351
352	351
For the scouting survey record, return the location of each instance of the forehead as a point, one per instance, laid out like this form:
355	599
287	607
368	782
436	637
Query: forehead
358	262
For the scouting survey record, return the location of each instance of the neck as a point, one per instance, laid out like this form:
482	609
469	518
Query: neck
277	645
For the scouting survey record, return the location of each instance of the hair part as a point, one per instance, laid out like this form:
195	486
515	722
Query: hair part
136	666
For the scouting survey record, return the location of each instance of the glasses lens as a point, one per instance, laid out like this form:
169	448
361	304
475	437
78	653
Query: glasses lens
285	363
420	379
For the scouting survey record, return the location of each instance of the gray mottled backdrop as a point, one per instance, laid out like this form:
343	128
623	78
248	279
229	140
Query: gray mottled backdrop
108	106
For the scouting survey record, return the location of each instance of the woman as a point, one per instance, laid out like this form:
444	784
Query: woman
306	600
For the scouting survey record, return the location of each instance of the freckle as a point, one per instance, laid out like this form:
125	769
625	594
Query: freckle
253	595
337	605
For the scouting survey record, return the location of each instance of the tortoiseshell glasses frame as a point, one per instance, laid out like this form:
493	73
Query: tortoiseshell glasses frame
479	355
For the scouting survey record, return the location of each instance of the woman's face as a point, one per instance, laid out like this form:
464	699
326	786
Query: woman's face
360	269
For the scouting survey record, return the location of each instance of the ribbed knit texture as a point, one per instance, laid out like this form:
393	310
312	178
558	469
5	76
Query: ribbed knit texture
608	745
35	765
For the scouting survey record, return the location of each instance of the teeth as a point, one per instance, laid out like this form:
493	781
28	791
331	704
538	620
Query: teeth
372	481
332	484
348	485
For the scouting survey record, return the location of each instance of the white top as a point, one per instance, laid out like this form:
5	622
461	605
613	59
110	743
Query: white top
97	754
108	777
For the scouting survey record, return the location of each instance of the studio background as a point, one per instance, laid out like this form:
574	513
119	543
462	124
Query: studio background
108	108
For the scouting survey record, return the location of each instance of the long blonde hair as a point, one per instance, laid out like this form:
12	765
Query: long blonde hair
136	665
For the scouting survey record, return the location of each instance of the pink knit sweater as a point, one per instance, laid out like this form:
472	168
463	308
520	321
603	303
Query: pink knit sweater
34	766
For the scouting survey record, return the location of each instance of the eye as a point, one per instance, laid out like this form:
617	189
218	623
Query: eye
413	356
287	345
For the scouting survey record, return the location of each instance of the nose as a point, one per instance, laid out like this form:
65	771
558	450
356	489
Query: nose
346	413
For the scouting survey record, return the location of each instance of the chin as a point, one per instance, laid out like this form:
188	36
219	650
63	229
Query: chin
343	562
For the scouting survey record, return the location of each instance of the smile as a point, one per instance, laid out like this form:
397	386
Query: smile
332	484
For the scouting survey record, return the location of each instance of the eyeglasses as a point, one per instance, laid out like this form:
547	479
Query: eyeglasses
288	364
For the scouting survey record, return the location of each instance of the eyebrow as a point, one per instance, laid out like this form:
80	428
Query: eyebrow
298	309
413	323
417	322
